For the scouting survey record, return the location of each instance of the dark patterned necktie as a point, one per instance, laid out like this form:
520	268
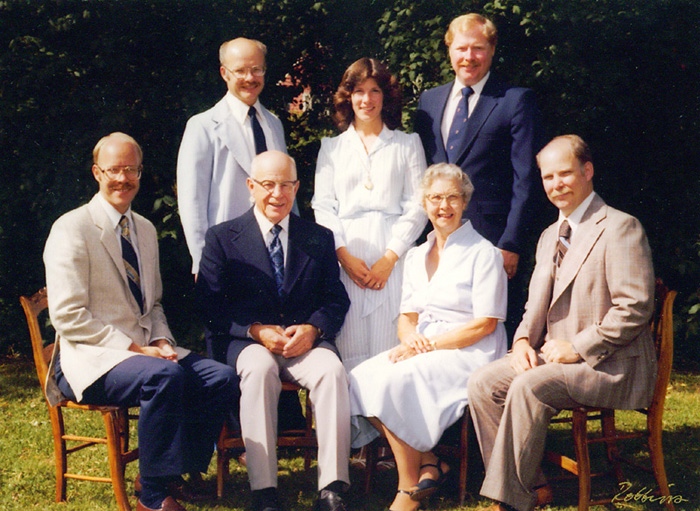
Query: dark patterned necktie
459	126
131	262
277	257
258	135
562	242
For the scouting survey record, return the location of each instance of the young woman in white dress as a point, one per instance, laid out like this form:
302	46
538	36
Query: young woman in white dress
452	311
365	185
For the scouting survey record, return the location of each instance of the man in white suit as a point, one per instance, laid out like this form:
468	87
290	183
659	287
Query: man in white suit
219	144
113	342
584	338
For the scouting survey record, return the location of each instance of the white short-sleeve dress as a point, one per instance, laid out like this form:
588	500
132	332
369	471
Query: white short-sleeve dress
417	399
368	201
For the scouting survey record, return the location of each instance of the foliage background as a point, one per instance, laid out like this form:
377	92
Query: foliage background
624	74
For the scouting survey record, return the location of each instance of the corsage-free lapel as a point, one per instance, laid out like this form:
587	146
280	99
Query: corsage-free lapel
297	258
249	243
488	99
229	130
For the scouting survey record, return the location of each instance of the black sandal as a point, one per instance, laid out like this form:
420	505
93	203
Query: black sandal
428	486
410	494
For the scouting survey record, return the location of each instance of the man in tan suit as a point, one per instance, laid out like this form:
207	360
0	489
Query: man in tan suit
584	338
113	344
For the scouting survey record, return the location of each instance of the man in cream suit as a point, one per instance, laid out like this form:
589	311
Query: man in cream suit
219	144
113	344
584	338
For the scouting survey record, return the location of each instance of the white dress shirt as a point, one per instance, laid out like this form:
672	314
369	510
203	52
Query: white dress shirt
453	100
240	112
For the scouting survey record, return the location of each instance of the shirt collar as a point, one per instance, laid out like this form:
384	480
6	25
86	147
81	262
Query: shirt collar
576	215
239	109
114	215
265	224
477	87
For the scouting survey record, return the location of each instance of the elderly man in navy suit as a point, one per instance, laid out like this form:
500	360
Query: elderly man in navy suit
274	301
490	130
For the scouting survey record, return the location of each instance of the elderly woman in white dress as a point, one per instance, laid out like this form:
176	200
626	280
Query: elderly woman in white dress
365	185
452	311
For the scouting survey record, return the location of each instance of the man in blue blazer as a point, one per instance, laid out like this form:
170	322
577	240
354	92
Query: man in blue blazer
273	302
491	130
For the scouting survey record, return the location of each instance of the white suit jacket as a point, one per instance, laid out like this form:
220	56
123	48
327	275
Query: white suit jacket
95	315
212	167
601	301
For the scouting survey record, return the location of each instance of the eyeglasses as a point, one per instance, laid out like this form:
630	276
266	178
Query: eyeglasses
242	72
269	186
129	172
436	199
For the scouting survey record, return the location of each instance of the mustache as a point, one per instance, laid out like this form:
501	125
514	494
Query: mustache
121	186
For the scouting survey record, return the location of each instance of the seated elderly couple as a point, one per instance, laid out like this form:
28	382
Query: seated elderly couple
273	301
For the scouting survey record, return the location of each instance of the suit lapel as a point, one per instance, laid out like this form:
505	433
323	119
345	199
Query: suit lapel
589	230
442	93
488	100
229	131
249	243
297	258
109	240
147	252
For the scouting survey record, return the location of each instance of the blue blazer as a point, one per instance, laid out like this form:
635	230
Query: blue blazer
498	154
237	285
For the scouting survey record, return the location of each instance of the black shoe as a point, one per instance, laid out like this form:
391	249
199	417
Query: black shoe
266	500
428	486
330	498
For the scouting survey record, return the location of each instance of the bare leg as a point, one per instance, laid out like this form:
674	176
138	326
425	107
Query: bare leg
408	461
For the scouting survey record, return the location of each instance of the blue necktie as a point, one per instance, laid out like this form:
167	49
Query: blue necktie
131	262
258	135
277	257
458	129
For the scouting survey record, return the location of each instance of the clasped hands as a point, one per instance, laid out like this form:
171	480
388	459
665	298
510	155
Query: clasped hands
414	344
160	348
524	357
363	276
293	341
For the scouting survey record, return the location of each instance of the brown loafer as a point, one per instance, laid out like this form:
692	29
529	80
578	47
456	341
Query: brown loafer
169	504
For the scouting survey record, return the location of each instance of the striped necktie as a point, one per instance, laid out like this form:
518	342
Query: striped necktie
131	262
458	129
562	243
277	257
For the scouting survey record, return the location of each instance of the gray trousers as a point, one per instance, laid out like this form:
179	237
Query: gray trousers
511	415
319	371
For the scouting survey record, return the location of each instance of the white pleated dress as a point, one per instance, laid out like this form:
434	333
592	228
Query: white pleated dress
368	201
417	399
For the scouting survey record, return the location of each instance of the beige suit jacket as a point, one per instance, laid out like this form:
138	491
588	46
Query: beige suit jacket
601	301
95	315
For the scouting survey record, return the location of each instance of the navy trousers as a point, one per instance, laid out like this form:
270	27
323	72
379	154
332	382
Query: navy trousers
182	408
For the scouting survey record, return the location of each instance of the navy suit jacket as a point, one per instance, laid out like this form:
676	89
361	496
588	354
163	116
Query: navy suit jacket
237	284
498	154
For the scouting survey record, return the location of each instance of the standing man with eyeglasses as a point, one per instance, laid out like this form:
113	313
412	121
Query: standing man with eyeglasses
219	144
273	301
113	344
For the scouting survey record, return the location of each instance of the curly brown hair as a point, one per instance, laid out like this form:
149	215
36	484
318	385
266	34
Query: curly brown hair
358	72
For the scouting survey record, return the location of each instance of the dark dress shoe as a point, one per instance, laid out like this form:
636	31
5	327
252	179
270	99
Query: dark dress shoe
329	500
266	500
180	490
169	504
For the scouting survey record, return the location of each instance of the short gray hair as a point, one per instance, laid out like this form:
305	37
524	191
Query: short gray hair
446	171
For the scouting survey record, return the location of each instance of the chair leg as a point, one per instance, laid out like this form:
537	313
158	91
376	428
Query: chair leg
463	456
59	447
580	432
116	462
607	424
657	460
370	464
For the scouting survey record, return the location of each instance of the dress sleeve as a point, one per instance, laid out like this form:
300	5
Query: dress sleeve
490	285
413	218
325	199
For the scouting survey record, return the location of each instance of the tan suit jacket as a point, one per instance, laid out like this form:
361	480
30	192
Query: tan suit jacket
95	315
601	300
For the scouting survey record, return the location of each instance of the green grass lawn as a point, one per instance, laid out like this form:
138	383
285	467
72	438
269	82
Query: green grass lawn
27	469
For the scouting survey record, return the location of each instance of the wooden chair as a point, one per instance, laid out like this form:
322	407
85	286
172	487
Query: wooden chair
231	439
458	450
662	328
116	419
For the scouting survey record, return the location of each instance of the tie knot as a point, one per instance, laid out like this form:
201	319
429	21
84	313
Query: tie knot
467	91
276	229
251	111
565	230
124	224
